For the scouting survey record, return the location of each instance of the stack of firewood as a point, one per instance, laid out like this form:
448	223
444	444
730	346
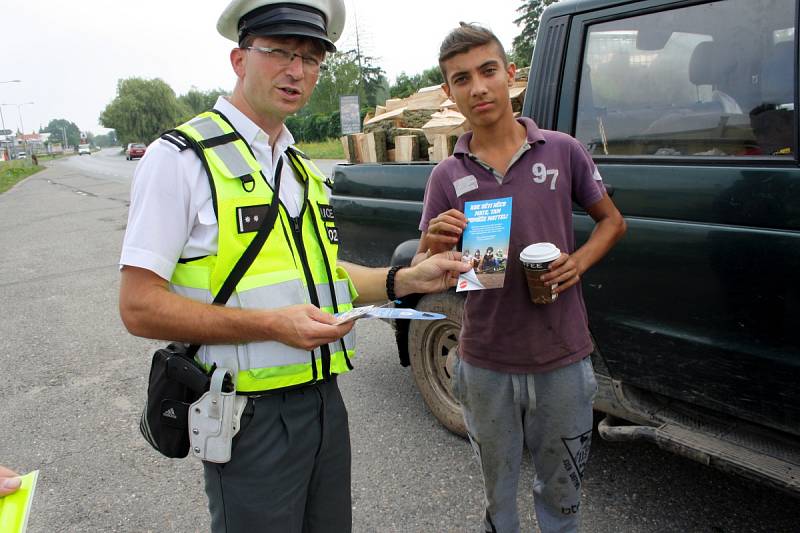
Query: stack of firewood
422	127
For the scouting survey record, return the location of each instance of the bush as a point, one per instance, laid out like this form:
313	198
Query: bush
317	127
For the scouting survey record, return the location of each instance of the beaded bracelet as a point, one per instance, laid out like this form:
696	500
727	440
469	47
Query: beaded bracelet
390	281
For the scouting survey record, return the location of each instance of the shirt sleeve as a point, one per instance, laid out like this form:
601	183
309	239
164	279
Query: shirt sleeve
587	183
160	213
436	200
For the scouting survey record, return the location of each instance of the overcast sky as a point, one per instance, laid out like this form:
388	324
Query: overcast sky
70	54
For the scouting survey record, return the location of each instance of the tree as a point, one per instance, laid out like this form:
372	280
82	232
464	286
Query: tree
58	126
347	73
530	14
340	78
197	101
106	139
406	85
142	110
374	87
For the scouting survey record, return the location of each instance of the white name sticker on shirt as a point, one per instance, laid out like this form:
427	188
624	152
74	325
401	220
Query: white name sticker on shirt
465	184
596	175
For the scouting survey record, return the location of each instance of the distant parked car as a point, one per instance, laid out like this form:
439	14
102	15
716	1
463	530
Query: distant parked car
135	151
84	149
22	155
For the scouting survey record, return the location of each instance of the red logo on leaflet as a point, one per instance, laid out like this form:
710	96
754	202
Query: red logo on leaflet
462	284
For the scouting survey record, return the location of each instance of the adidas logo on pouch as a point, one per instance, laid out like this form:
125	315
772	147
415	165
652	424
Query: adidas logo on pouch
170	413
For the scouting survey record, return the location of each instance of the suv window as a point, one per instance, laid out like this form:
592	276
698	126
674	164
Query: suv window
714	79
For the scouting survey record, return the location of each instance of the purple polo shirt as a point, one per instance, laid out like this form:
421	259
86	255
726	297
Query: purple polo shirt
503	330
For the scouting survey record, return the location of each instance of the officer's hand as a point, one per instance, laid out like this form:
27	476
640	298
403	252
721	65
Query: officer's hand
444	231
9	481
437	273
565	271
307	327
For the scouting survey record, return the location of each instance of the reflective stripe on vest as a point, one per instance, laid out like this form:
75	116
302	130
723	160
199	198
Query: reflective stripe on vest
277	278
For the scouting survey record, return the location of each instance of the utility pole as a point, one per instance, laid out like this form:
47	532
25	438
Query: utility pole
19	113
358	57
3	120
21	124
3	148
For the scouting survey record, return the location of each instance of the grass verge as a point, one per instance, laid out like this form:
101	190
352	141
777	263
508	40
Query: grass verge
330	149
50	157
13	172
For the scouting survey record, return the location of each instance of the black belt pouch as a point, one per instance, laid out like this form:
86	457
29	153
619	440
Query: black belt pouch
176	381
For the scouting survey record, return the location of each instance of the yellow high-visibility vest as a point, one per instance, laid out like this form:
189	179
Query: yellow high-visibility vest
296	265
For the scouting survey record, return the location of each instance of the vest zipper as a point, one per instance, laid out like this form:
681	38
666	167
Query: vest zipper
297	233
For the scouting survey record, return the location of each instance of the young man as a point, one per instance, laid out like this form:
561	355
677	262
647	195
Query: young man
523	374
198	197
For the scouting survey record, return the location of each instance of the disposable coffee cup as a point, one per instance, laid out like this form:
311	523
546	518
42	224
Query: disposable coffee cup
536	260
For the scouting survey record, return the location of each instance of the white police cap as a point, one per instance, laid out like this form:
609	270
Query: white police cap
319	19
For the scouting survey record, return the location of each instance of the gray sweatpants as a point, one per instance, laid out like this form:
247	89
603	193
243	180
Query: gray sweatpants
290	467
551	413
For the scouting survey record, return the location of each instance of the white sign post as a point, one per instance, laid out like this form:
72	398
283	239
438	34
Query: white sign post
350	114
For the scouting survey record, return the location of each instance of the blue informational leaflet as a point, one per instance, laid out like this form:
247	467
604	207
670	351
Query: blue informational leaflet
409	314
485	244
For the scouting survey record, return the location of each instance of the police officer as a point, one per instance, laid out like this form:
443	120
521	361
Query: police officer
197	198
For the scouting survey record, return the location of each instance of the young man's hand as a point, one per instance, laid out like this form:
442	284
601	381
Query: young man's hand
565	271
444	231
610	226
9	481
435	274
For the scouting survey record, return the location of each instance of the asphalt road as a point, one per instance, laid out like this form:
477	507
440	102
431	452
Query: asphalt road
74	383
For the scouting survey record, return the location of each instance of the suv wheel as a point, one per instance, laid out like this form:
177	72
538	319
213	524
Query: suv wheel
432	350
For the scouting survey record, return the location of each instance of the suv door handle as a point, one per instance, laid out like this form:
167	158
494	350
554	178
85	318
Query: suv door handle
609	189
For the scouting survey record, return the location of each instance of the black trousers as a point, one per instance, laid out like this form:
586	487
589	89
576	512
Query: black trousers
290	467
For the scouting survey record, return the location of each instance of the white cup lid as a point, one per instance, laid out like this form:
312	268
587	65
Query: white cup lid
541	252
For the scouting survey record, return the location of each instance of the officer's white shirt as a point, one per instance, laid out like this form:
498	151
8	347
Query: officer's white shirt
171	214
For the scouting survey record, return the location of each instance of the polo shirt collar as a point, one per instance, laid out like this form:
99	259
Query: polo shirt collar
249	130
534	133
534	136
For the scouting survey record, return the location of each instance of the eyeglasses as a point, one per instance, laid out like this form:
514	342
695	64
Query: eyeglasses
284	58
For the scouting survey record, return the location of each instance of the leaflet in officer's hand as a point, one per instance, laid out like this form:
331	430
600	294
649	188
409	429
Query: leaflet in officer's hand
485	244
394	313
353	314
15	508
